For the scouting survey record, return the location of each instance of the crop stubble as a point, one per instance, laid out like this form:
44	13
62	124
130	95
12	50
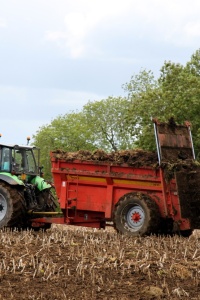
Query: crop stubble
69	262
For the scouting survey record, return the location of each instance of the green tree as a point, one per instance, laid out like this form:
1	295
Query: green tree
181	93
125	122
68	132
100	125
176	93
107	124
144	102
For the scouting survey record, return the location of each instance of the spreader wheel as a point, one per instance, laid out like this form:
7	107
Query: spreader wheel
136	214
186	233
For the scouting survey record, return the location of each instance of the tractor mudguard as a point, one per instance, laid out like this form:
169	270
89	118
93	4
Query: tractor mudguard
40	183
10	179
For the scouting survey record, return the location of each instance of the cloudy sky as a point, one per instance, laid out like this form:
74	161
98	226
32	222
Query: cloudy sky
56	55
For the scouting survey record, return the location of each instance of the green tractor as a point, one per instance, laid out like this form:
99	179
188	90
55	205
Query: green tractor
23	190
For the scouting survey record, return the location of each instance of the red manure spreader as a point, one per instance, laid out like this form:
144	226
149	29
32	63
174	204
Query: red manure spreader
136	191
139	192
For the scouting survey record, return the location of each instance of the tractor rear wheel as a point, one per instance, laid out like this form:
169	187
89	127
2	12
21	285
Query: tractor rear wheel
12	207
46	201
136	214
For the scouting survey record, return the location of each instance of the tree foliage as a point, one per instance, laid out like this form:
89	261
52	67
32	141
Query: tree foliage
176	93
126	122
101	124
144	98
68	132
107	123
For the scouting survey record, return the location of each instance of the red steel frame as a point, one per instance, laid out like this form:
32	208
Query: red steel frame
88	191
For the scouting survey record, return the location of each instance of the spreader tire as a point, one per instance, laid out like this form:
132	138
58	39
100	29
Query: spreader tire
186	233
136	214
12	207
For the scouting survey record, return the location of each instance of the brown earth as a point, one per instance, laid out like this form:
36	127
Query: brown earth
69	262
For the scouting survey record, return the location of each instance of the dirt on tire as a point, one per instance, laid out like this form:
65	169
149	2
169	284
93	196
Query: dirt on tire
16	210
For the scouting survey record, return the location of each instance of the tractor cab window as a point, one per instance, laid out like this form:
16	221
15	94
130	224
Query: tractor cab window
5	159
31	162
24	160
19	160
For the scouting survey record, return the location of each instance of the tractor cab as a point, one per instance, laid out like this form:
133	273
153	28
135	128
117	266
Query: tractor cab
23	190
18	160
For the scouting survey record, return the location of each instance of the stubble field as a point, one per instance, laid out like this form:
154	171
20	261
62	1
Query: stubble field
69	262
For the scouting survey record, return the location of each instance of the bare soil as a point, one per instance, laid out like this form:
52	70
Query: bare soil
69	262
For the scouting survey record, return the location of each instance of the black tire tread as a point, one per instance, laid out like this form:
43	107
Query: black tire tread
186	233
16	206
154	215
49	203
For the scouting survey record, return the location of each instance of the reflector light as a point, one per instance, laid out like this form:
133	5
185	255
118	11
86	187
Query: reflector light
23	176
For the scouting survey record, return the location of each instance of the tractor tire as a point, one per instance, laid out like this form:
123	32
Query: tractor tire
46	201
12	207
136	214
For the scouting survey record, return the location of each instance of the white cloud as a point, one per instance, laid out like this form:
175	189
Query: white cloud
78	25
173	22
71	100
55	35
3	23
81	23
192	29
28	113
12	95
119	36
16	131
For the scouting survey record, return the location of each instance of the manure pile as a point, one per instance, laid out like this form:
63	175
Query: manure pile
130	157
174	140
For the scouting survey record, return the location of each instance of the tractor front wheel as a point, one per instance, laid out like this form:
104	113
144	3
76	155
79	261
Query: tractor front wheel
136	214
